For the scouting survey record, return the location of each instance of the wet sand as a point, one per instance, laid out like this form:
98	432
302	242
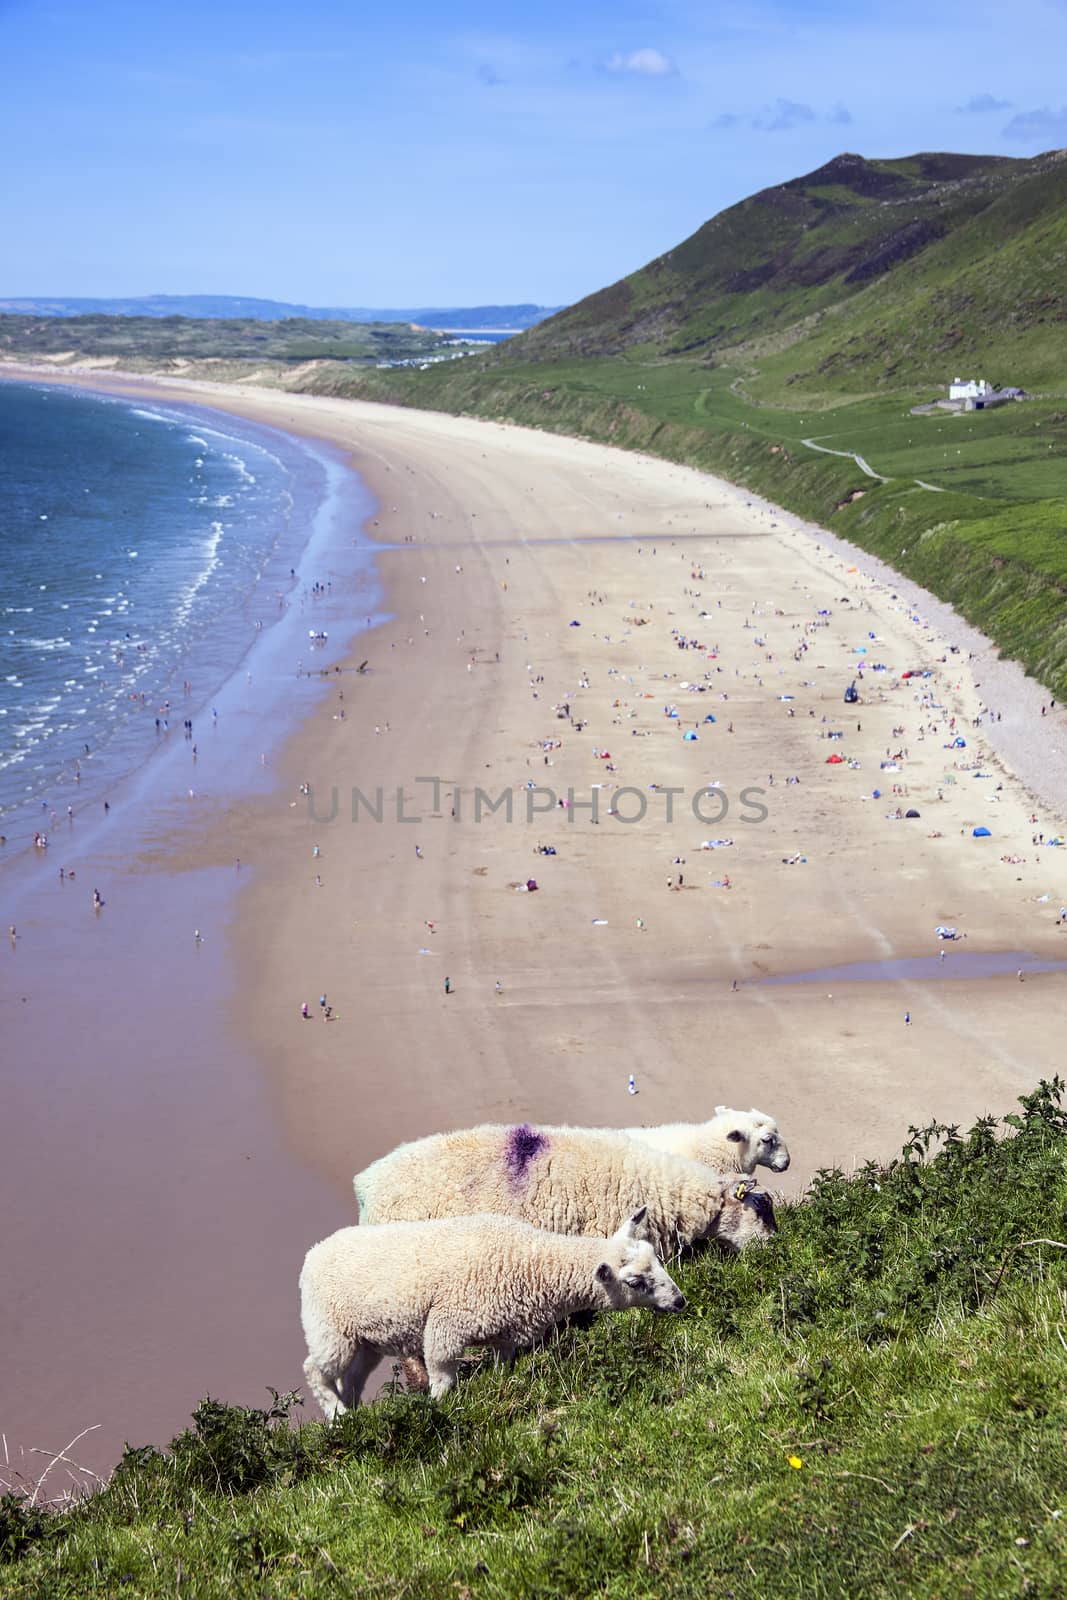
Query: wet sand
610	967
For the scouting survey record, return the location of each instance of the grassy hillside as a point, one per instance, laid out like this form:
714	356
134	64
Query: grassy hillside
874	1404
854	279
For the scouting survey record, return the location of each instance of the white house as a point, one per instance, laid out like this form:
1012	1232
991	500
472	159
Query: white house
970	389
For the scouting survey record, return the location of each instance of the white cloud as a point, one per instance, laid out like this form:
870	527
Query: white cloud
649	63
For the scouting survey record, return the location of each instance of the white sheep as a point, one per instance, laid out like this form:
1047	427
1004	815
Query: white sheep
569	1180
731	1141
427	1290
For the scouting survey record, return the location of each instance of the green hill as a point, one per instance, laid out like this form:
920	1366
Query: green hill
854	278
873	1404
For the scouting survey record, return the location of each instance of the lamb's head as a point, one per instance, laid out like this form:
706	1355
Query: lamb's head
755	1137
747	1215
631	1274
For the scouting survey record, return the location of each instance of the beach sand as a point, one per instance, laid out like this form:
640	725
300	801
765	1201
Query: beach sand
495	541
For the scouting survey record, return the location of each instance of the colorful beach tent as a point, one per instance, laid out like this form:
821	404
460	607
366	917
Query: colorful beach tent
835	760
980	833
689	736
911	813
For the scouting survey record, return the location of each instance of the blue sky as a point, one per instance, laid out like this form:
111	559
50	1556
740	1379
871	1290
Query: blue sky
349	154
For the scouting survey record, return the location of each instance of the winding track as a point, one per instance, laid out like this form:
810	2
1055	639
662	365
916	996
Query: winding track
866	467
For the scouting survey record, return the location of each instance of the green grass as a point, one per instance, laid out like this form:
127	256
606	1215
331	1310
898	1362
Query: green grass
874	1404
856	279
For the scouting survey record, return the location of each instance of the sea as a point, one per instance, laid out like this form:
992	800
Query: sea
144	549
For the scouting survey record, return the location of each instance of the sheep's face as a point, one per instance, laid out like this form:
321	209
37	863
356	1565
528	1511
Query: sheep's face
747	1215
633	1275
770	1148
756	1136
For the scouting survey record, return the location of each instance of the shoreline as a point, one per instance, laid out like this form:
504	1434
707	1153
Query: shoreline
322	484
605	971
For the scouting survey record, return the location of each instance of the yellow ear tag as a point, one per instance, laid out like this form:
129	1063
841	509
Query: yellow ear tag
741	1191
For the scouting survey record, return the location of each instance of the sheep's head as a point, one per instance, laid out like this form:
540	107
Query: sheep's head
747	1215
631	1273
756	1138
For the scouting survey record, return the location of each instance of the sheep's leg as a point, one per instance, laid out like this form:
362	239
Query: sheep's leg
355	1375
338	1383
414	1375
322	1389
441	1355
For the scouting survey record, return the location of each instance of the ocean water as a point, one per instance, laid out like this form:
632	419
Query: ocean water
143	550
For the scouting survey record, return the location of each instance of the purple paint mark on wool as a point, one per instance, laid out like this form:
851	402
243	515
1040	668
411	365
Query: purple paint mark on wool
521	1145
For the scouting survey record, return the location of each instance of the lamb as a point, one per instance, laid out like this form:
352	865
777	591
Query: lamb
732	1141
569	1180
427	1290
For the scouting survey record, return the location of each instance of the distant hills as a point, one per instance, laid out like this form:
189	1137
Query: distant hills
861	274
240	306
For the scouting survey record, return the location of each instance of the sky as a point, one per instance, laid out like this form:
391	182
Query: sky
334	152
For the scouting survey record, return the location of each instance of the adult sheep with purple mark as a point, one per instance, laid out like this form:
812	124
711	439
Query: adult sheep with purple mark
568	1180
730	1141
427	1290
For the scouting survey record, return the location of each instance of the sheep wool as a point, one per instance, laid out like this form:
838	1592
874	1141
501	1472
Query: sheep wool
427	1290
568	1180
731	1141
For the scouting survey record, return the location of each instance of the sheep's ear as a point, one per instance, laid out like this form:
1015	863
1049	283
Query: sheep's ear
719	1110
736	1135
745	1187
604	1273
631	1228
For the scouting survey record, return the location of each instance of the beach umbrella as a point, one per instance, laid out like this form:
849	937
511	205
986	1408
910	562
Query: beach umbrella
980	833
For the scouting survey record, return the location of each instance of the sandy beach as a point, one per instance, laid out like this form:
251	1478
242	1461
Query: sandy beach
552	603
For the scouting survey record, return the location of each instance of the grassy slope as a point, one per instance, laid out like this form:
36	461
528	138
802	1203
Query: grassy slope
872	1405
858	276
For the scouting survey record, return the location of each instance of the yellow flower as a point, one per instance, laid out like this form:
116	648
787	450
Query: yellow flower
795	1461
